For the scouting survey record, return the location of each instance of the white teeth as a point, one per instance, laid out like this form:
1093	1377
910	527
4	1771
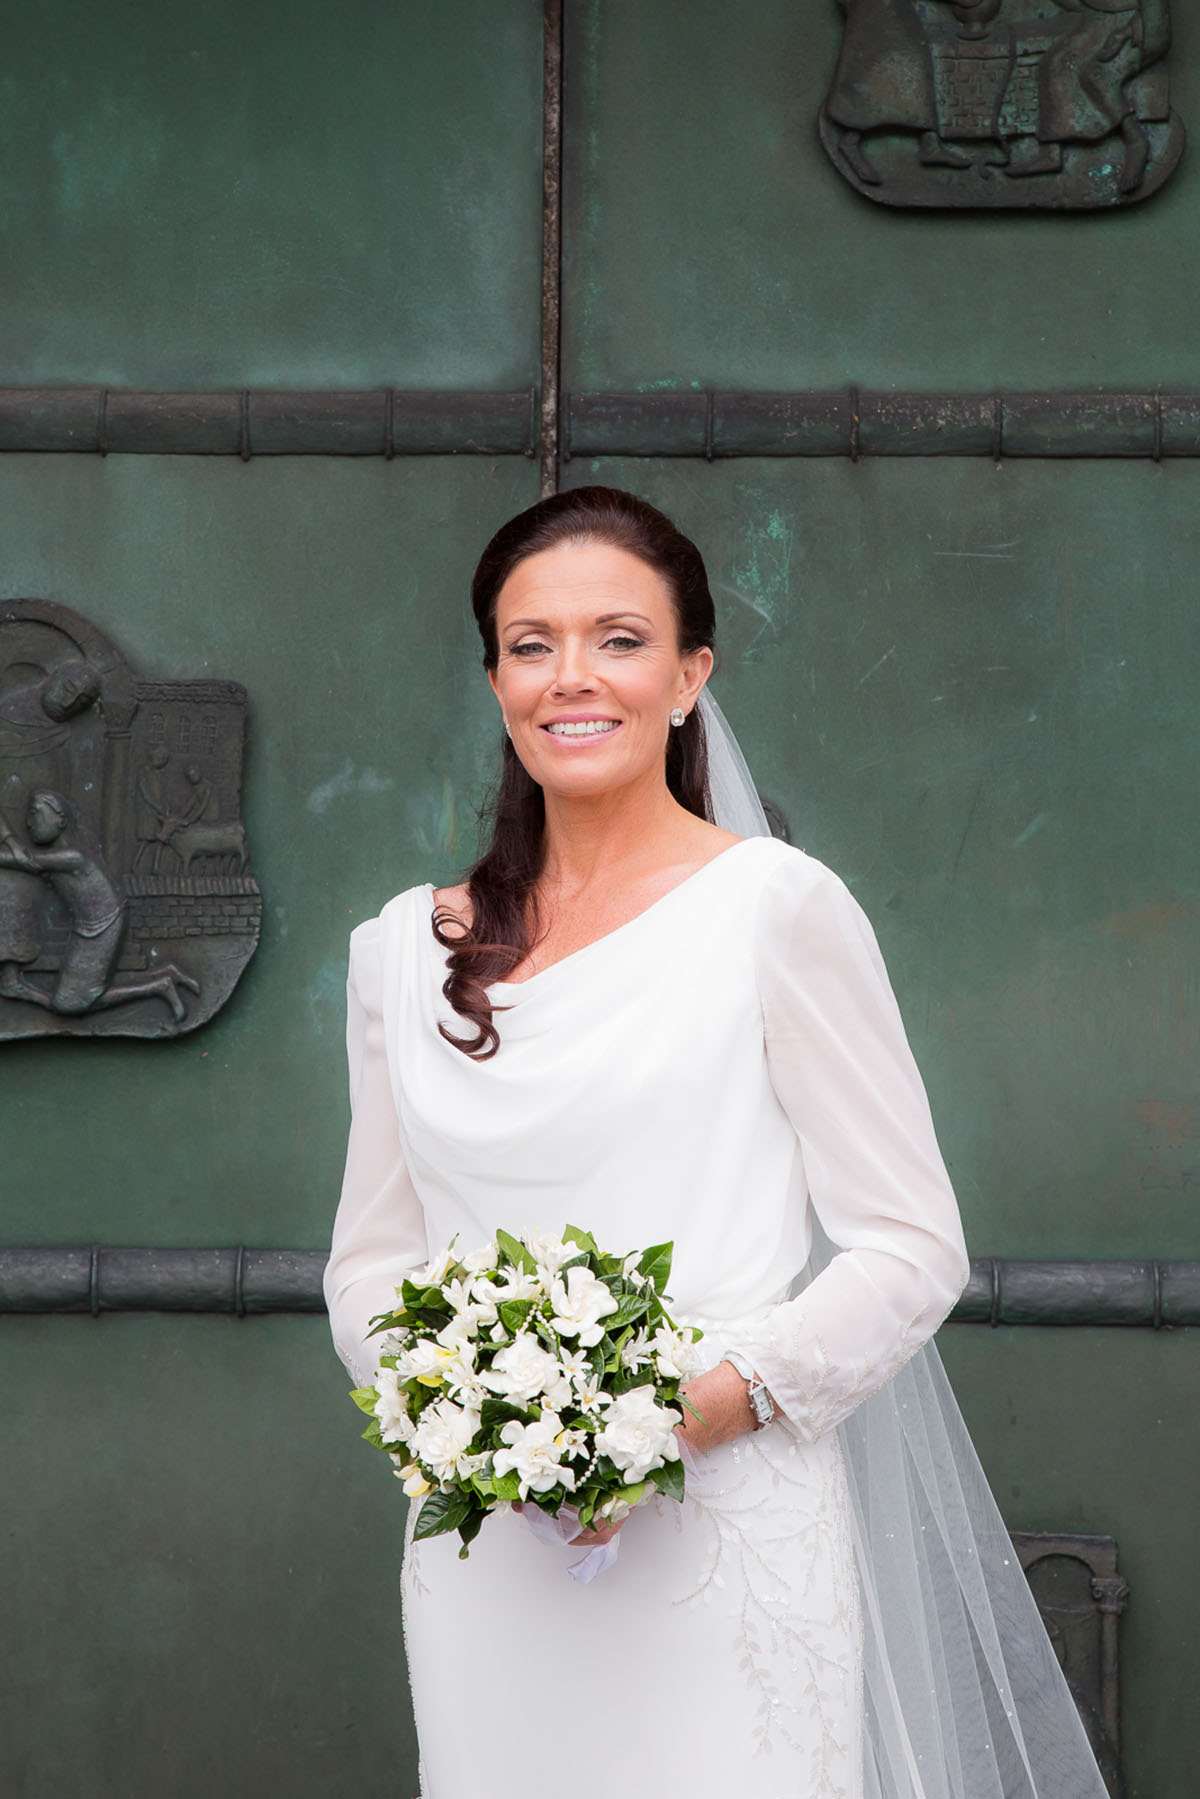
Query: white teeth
591	727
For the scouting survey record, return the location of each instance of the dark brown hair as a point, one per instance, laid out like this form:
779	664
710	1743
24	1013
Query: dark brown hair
502	885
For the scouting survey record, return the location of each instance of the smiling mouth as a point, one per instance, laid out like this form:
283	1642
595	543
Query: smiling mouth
591	727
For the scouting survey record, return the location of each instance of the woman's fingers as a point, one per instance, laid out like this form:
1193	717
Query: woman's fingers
602	1533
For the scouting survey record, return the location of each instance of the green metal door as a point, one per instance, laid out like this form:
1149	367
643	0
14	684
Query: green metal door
957	642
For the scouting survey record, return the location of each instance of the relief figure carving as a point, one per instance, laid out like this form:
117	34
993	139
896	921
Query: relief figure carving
96	920
1003	103
127	902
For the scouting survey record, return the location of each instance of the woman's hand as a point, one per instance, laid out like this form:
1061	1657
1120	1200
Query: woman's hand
722	1399
597	1534
588	1539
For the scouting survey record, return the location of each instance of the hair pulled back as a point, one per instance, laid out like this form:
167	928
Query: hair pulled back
502	885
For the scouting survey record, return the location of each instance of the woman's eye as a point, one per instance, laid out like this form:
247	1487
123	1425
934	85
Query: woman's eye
623	643
529	648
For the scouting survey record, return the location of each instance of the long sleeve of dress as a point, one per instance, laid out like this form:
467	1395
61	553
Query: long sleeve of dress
379	1233
841	1067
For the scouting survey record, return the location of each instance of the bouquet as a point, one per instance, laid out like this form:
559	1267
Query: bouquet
535	1368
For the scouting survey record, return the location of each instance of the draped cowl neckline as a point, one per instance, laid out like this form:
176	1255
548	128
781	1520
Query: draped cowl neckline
512	990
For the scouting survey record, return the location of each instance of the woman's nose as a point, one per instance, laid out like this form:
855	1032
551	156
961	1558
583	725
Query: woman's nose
573	673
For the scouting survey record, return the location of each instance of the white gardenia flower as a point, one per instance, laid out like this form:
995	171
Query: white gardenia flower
675	1354
550	1252
481	1259
443	1436
483	1292
639	1434
391	1408
518	1283
636	1352
415	1484
456	1336
522	1370
575	1364
559	1392
435	1272
629	1268
423	1362
468	1314
579	1304
460	1373
534	1454
590	1395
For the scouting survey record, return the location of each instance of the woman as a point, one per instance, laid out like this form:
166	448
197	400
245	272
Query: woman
633	1019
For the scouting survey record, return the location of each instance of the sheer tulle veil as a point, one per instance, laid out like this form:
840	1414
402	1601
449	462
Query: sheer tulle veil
964	1696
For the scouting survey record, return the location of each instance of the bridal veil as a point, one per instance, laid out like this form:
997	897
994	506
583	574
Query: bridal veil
964	1696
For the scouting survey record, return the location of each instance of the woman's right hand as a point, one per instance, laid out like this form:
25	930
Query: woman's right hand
591	1538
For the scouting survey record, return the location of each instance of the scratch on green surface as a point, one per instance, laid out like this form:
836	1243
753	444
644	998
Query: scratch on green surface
433	820
327	996
762	580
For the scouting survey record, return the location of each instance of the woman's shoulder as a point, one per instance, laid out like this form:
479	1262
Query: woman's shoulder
401	908
792	890
779	867
453	904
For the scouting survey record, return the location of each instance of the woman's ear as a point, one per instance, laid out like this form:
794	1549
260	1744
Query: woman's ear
697	667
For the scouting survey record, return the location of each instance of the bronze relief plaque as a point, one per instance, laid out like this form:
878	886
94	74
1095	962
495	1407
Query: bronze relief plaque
127	904
1061	104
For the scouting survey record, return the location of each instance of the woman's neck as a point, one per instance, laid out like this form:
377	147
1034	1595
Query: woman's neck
588	839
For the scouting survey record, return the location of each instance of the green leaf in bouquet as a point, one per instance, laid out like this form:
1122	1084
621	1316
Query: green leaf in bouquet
420	1395
365	1399
516	1252
543	1330
469	1529
513	1313
585	1240
669	1479
373	1434
630	1307
424	1299
684	1400
655	1263
495	1412
507	1486
441	1512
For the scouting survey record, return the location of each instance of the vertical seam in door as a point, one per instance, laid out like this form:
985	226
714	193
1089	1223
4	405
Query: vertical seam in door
552	94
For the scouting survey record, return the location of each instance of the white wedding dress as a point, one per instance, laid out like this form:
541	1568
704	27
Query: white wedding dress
712	1072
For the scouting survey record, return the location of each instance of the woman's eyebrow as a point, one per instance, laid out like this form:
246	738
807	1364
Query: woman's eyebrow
605	618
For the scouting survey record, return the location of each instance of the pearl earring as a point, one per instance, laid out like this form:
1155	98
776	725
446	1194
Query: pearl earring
507	728
677	715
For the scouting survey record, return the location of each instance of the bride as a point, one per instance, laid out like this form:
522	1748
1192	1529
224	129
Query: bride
643	1015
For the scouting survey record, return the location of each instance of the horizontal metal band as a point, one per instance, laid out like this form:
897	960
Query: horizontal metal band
860	424
1153	1294
390	422
115	1279
264	422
